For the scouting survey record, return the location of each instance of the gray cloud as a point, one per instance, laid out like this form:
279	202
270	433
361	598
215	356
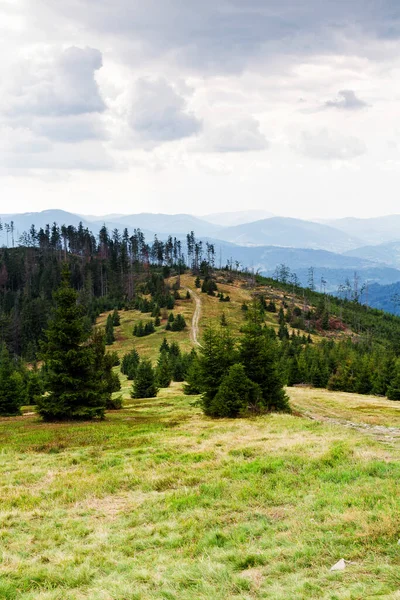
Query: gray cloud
158	113
241	136
347	100
326	145
225	33
71	128
60	87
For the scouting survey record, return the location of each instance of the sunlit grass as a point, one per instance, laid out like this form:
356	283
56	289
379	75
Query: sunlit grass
159	501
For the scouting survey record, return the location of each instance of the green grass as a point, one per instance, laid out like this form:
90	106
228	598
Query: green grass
160	502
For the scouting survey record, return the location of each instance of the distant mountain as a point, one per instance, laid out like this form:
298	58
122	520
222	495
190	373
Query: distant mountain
228	219
385	297
294	233
23	221
388	253
333	268
373	231
168	224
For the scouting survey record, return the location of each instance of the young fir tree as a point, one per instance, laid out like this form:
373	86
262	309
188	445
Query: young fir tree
197	282
163	370
237	395
223	320
71	377
193	385
12	388
110	339
258	353
116	318
144	385
217	355
130	363
164	345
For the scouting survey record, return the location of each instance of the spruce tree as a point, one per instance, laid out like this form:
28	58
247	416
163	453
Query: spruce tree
116	318
259	354
393	391
110	330
164	345
217	354
144	385
12	388
130	364
71	380
163	370
237	395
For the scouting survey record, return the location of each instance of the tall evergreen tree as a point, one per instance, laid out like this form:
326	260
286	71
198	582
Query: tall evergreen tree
110	330
258	353
163	370
12	388
71	379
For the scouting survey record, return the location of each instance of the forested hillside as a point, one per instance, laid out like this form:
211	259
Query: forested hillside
145	290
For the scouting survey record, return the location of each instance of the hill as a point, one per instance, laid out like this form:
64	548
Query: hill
388	253
281	231
162	500
373	231
228	219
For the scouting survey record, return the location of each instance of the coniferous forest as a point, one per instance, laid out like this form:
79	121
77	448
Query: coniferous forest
65	277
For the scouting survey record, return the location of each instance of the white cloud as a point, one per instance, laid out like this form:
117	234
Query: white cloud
243	135
327	145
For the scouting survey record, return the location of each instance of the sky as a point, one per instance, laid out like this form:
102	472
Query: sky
291	106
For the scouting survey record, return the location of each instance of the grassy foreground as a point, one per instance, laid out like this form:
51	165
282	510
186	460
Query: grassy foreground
160	502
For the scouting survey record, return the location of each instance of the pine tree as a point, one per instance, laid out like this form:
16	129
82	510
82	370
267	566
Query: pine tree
259	355
217	354
163	370
164	345
71	379
130	364
237	395
393	391
197	282
144	385
223	320
110	330
116	318
193	385
12	388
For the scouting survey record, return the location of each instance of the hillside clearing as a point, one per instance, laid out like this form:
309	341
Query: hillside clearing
160	502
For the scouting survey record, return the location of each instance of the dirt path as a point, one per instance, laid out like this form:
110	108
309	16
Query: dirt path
380	432
194	332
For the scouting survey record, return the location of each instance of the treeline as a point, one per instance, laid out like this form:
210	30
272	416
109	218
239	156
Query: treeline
110	270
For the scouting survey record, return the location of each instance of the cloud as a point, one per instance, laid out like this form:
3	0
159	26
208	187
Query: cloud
225	34
347	100
243	135
55	86
159	114
71	128
87	156
326	145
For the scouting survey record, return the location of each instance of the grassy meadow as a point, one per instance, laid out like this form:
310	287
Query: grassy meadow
159	502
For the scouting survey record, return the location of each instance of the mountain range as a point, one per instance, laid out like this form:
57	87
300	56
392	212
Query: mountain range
336	249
